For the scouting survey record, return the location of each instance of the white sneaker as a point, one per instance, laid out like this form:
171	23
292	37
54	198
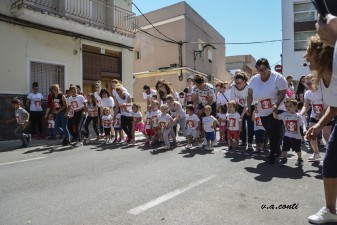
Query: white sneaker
79	144
187	147
323	216
201	145
210	148
215	143
314	156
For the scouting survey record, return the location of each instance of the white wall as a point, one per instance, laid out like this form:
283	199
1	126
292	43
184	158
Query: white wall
292	60
19	44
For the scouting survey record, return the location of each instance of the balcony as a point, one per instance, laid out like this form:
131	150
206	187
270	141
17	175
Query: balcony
90	13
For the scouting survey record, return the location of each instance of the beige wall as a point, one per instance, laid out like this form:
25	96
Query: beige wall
19	45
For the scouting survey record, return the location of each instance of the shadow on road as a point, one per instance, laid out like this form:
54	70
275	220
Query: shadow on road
267	172
189	153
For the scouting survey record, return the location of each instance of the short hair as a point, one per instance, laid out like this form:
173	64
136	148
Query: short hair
190	78
223	108
115	81
289	77
146	87
169	97
16	101
240	74
208	107
137	105
190	107
35	84
154	102
199	79
262	61
104	90
220	84
233	103
78	86
181	93
164	106
119	87
291	101
72	87
106	109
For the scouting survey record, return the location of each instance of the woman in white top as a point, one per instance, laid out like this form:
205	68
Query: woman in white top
269	89
239	93
323	61
177	113
97	94
34	104
123	105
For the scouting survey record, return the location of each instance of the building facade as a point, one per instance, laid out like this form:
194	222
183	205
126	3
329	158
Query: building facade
298	24
241	62
65	42
200	48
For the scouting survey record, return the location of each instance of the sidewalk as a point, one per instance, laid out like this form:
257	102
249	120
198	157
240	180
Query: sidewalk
13	145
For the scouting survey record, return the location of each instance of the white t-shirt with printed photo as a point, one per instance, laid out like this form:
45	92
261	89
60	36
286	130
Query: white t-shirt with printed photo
316	101
155	115
107	121
35	101
234	120
164	120
148	119
207	122
76	102
258	123
222	119
205	94
266	92
117	121
149	96
192	121
223	98
51	124
292	124
239	96
136	115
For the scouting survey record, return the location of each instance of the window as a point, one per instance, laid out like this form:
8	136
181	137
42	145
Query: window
301	39
137	55
304	12
47	74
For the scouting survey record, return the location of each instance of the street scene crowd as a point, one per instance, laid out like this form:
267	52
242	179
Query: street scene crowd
232	113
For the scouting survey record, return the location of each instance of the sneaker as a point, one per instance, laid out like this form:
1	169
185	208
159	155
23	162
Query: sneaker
119	139
216	143
127	140
29	138
323	216
65	142
79	144
230	148
166	147
283	161
314	156
209	148
299	162
201	145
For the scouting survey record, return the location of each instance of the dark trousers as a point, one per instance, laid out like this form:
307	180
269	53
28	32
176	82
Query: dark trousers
94	125
250	125
100	120
274	131
36	119
74	125
126	123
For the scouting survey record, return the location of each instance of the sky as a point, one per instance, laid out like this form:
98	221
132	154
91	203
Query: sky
237	21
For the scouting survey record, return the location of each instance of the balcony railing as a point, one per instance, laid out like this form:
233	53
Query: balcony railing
96	13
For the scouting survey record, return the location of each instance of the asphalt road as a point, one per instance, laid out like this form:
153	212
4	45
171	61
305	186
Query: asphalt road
120	184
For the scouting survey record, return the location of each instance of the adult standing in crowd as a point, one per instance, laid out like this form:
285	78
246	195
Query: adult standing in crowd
148	94
239	93
97	94
114	84
223	94
34	103
59	108
326	57
301	89
203	94
163	89
124	103
269	89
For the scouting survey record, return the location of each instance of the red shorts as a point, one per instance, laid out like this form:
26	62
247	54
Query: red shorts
138	127
233	134
149	132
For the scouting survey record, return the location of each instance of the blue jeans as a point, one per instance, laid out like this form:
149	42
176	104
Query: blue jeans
63	130
330	159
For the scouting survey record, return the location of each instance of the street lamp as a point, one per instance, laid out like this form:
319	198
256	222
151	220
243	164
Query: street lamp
196	53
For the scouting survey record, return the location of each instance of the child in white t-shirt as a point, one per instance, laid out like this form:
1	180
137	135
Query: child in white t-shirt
148	126
259	130
292	139
51	125
192	126
209	122
107	121
118	128
137	121
155	113
166	124
234	125
222	123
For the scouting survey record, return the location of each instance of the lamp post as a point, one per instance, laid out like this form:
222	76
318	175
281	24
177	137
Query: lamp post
198	52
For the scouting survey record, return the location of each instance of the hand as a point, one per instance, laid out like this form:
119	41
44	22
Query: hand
275	108
248	111
327	31
313	131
